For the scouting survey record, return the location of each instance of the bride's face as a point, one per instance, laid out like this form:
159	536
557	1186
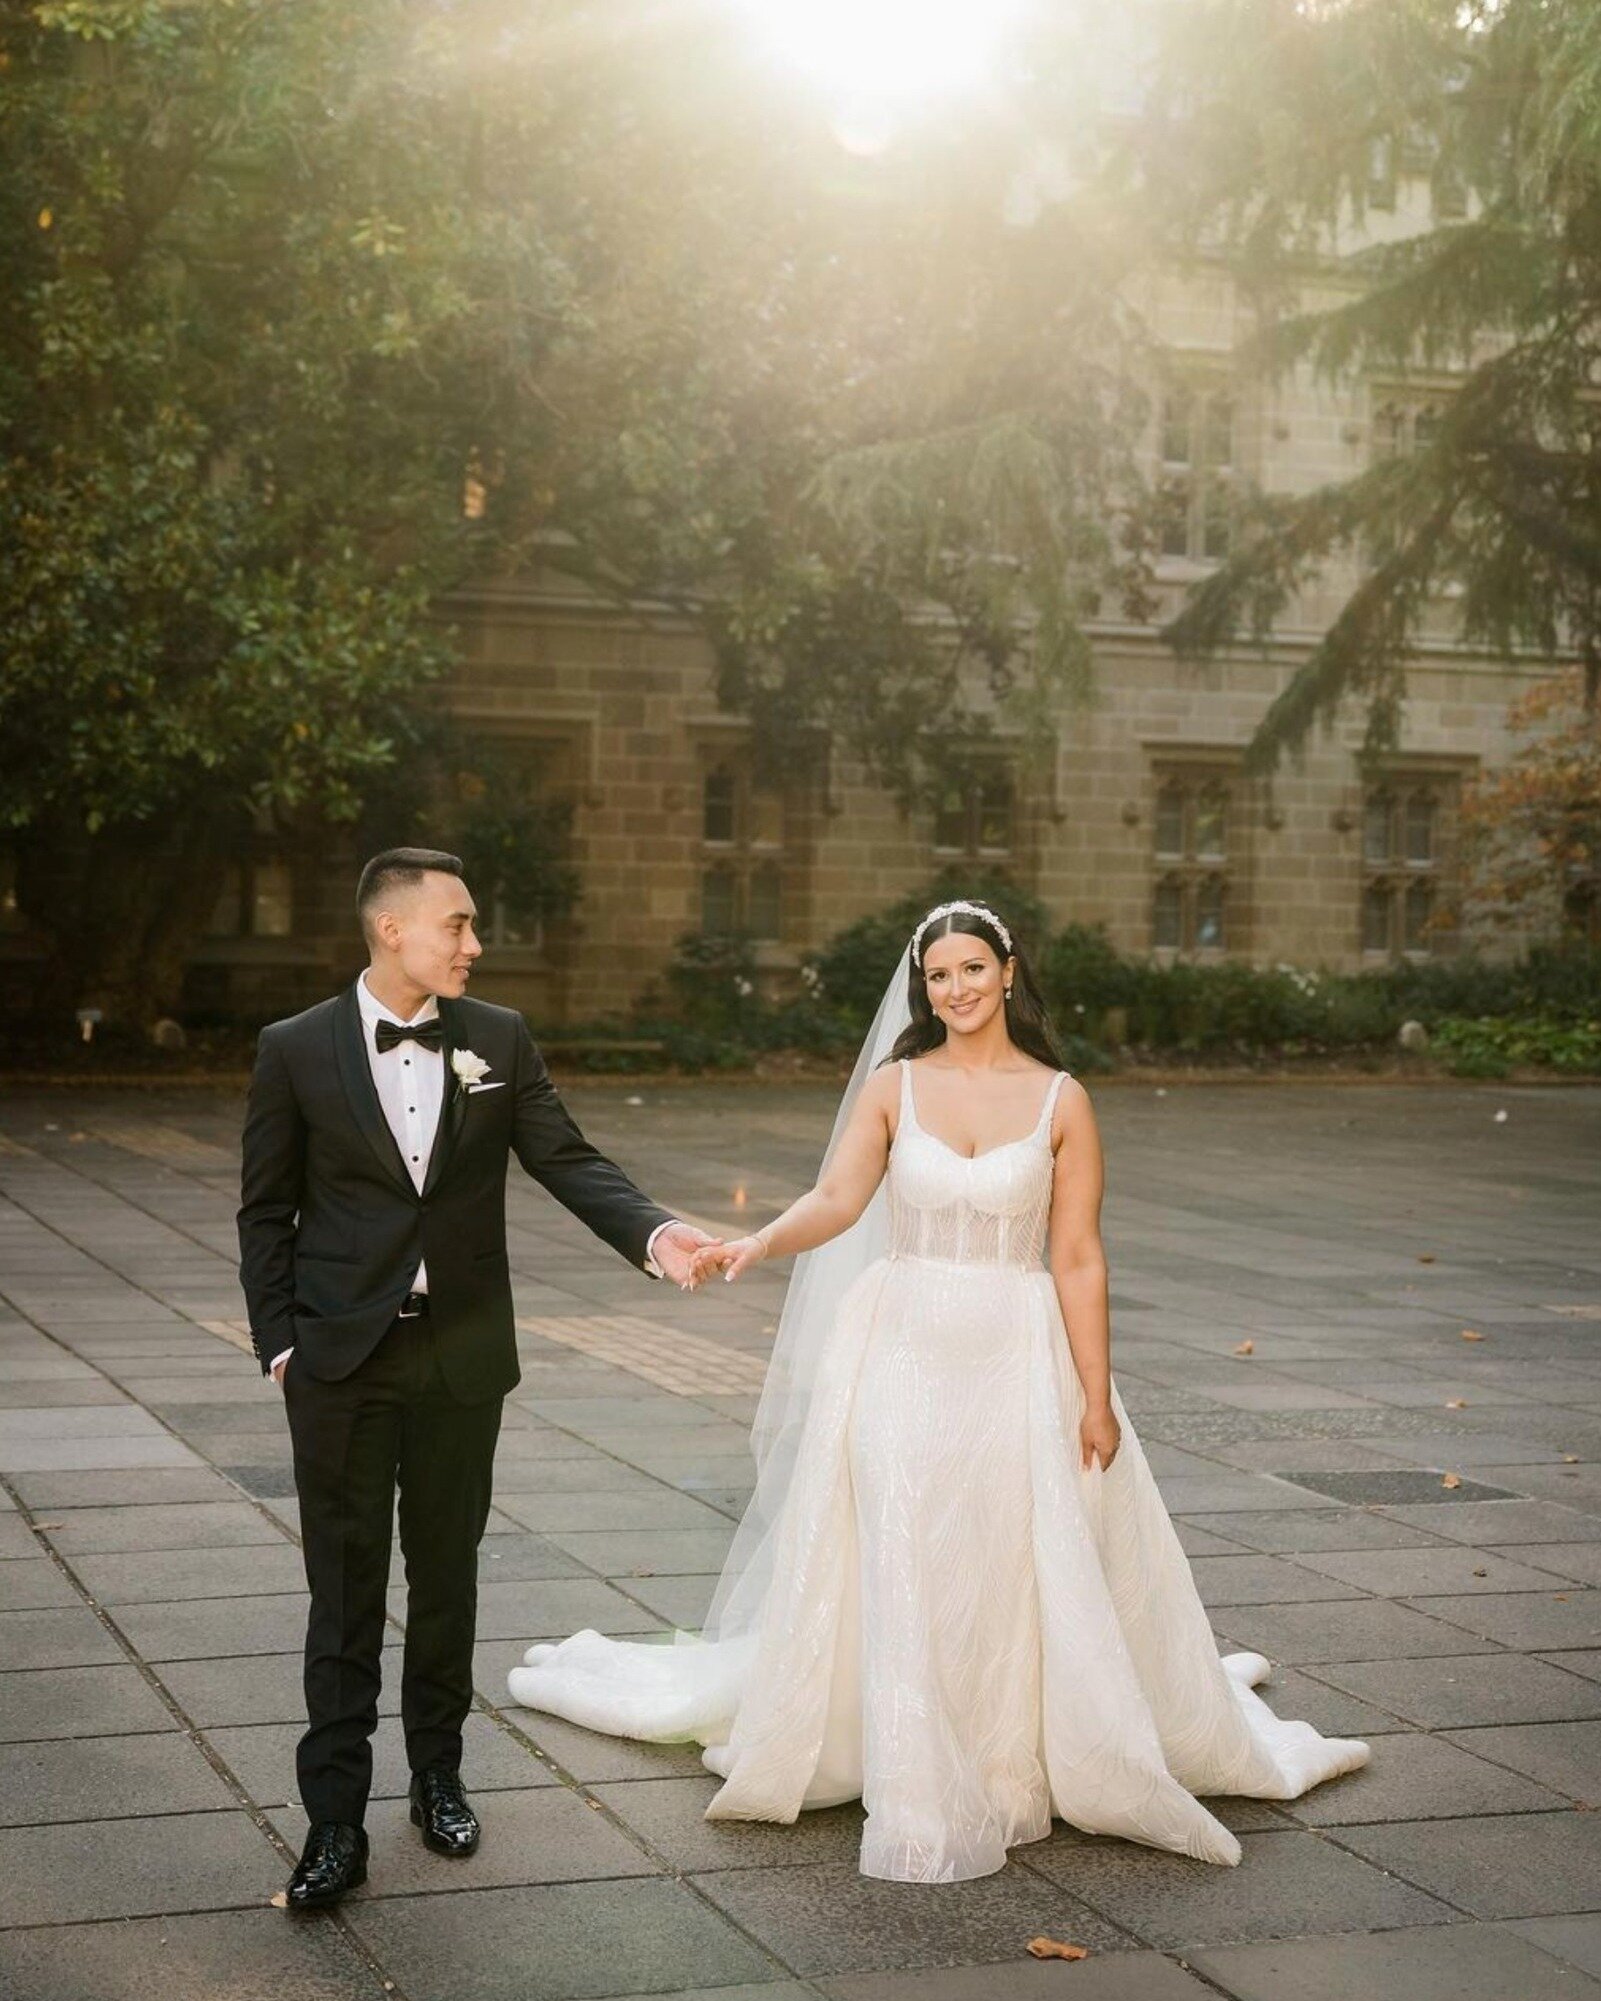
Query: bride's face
964	981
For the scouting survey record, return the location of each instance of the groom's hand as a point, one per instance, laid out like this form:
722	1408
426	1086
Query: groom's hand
674	1250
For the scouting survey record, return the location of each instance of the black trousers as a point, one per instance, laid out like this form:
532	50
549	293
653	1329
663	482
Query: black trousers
389	1426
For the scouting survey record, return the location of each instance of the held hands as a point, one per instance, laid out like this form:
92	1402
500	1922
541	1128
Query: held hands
731	1259
676	1249
1099	1436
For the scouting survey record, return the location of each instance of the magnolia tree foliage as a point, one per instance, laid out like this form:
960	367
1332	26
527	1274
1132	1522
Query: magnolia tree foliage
286	284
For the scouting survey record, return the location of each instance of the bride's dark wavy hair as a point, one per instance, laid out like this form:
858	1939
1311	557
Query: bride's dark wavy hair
1027	1021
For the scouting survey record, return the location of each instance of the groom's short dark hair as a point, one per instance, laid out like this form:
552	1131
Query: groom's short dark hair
398	868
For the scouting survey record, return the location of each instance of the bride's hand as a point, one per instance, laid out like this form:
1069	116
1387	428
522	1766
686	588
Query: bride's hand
1099	1436
731	1259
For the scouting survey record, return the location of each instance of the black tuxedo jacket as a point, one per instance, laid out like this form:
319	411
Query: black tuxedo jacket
331	1226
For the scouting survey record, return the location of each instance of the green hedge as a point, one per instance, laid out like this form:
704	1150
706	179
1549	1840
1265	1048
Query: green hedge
1482	1016
1231	1006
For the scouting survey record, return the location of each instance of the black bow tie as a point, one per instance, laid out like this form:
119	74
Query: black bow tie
426	1034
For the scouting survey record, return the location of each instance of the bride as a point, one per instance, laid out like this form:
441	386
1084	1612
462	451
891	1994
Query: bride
956	1593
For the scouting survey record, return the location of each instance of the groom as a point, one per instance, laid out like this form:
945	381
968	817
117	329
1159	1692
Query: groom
372	1234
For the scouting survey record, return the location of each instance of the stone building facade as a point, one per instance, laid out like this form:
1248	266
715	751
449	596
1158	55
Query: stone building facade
1133	813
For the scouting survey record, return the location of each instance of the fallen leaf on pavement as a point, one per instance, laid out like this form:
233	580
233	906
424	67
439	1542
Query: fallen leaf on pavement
1480	1571
1425	1257
1456	1403
1570	1458
279	1900
1246	1348
1469	1335
1055	1948
1452	1480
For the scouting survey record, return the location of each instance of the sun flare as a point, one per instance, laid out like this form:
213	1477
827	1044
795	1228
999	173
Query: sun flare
888	52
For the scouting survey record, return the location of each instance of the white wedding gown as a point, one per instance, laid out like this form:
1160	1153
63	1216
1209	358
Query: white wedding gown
964	1628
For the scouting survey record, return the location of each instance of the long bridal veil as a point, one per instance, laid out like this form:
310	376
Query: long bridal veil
692	1689
818	1284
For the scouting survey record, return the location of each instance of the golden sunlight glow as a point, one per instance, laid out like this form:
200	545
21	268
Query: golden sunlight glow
887	52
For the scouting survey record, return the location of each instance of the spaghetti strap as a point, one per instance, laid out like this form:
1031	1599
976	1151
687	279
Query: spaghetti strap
908	1102
1050	1101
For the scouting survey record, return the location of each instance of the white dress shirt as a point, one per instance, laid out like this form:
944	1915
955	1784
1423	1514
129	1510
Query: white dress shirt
410	1082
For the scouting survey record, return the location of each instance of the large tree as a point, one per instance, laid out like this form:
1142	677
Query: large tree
289	284
1271	129
240	377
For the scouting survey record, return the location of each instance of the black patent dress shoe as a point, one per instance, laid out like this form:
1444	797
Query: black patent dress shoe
333	1861
439	1807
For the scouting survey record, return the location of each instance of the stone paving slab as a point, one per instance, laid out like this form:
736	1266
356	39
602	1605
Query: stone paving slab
78	1702
1351	1628
132	1868
1552	1866
1577	1941
1426	1575
216	1953
142	1577
560	1942
17	1538
1547	1621
1566	1756
192	1525
1578	1562
1463	1689
50	1492
1455	1962
1293	1532
55	1637
106	1778
1287	1883
1119	1976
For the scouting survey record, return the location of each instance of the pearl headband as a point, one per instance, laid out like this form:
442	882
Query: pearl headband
950	910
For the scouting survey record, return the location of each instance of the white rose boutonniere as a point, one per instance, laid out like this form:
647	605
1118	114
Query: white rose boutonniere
470	1068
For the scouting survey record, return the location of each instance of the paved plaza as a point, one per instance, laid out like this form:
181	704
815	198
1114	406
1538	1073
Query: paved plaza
1358	1328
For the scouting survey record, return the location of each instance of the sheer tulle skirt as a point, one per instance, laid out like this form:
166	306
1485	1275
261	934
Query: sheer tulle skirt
964	1629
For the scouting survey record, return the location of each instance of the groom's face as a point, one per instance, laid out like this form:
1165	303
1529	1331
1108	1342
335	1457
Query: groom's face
436	936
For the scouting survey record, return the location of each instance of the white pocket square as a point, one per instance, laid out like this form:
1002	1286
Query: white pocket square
474	1089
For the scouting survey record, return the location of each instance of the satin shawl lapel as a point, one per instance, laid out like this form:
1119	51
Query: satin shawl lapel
355	1073
453	1104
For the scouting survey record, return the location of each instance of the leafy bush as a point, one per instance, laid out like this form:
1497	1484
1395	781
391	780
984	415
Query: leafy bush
711	983
1233	1006
1082	971
1489	1046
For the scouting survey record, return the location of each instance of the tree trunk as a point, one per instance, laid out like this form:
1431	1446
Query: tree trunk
120	910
